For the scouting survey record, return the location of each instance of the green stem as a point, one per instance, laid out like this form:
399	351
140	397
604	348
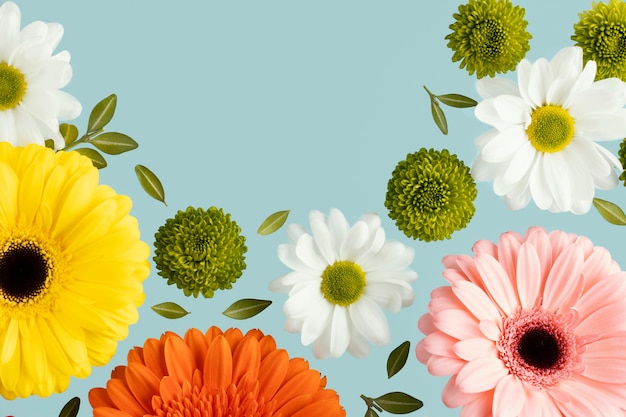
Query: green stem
370	403
432	96
83	139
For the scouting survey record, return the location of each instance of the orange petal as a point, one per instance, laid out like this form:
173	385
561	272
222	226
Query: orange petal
296	365
110	412
143	384
306	382
198	345
154	358
268	345
272	373
179	359
328	408
212	333
169	389
122	397
98	397
246	359
293	405
218	365
234	336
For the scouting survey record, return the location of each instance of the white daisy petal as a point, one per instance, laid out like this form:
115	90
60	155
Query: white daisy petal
557	171
370	321
29	52
341	278
492	87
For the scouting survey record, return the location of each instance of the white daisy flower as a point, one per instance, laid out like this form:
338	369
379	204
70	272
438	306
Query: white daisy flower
31	103
341	278
546	128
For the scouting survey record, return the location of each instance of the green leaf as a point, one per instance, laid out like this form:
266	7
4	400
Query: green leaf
397	359
371	413
169	310
49	143
71	408
102	113
114	143
96	158
69	133
457	100
273	222
150	183
398	403
439	117
611	212
246	308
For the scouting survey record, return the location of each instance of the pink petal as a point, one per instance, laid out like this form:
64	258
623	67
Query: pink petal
497	283
452	397
480	375
443	365
440	344
528	275
508	248
480	406
609	370
476	301
457	323
509	397
471	349
564	284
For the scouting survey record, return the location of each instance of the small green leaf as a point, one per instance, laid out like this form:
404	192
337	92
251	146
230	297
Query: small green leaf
102	113
611	212
246	308
457	100
49	143
398	403
150	183
169	310
439	117
273	222
397	359
114	143
371	413
96	158
71	408
69	133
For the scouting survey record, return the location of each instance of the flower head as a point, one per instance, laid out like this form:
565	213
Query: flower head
341	278
214	374
601	33
488	36
532	326
71	268
200	251
546	128
622	160
431	195
31	103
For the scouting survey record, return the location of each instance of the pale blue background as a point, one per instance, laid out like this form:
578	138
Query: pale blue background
259	106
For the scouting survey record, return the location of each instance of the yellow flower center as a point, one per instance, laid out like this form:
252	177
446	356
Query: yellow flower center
32	269
343	283
12	86
551	128
488	39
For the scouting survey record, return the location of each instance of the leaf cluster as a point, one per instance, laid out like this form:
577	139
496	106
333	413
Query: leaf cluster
452	100
110	143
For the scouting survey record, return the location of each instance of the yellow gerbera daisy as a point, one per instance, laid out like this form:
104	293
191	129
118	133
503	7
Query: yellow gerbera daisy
71	269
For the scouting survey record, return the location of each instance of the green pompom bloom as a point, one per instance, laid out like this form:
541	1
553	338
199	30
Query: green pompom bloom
622	159
200	251
601	33
489	36
431	195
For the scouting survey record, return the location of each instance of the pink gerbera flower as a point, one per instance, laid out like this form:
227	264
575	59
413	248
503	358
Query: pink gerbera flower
532	327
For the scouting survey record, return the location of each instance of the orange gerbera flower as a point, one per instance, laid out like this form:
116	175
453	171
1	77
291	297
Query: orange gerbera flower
214	374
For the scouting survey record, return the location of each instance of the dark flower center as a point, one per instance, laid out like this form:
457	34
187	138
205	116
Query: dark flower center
24	270
539	348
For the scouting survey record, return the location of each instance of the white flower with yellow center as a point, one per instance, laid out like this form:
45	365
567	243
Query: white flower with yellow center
342	278
31	103
546	128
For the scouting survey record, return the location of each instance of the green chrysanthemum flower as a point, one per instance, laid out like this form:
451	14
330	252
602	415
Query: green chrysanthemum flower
431	195
622	159
601	33
489	36
200	251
